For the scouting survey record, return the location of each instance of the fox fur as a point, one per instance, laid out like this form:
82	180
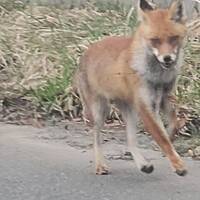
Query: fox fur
137	73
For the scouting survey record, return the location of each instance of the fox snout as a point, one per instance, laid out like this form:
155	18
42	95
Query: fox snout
166	60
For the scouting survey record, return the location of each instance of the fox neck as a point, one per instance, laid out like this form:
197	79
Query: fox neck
148	67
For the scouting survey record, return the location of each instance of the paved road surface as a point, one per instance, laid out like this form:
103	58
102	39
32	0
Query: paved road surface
32	169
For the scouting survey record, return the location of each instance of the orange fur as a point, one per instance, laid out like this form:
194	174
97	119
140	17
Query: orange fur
107	73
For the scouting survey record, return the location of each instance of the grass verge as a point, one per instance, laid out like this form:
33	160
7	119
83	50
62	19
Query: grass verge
40	47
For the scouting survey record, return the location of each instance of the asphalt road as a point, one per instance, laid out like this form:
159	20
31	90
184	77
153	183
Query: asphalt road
32	169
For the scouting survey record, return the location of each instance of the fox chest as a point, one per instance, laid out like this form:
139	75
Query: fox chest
159	92
160	83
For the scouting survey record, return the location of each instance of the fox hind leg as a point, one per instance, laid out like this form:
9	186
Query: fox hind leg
99	109
171	116
94	113
85	97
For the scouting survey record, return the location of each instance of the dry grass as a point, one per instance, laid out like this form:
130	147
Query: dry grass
40	48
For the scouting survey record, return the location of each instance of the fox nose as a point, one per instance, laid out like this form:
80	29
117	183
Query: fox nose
167	59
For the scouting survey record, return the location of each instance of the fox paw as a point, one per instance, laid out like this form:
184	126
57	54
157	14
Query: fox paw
147	168
102	170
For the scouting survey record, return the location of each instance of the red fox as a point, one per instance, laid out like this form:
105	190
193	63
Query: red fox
138	74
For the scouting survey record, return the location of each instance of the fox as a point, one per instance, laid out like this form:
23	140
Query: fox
138	74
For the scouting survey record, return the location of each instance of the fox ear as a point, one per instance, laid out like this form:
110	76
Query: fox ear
177	11
145	6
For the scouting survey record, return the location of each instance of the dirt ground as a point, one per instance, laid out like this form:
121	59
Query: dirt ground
76	134
79	136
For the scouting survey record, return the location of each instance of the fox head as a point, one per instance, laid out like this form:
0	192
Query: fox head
163	30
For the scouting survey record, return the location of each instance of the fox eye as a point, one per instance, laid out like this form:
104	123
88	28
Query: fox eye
155	41
173	39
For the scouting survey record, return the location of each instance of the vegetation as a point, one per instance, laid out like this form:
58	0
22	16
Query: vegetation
40	48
